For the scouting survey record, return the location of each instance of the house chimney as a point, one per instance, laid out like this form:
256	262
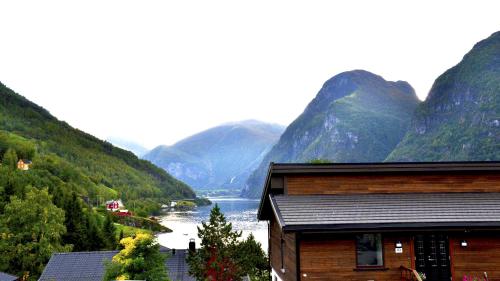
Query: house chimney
192	245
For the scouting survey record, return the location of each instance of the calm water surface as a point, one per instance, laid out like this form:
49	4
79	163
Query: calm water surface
242	213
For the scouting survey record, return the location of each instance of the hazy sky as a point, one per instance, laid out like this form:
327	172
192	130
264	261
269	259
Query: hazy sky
157	71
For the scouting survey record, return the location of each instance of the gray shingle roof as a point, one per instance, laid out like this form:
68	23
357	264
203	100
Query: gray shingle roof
177	266
76	266
90	266
7	277
387	210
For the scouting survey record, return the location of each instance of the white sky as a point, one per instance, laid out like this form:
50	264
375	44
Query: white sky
157	71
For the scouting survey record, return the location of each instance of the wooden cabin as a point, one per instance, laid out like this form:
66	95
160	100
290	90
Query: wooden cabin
387	221
23	164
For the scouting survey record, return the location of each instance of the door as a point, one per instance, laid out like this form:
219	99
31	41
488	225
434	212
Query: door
432	256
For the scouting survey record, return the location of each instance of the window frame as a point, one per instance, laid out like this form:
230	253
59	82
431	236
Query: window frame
369	267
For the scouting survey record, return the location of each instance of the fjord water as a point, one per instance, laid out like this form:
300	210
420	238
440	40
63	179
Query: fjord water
241	212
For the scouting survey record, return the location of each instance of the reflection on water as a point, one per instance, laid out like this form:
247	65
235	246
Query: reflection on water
242	213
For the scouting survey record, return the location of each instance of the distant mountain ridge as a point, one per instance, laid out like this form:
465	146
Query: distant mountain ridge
357	116
460	118
218	158
131	146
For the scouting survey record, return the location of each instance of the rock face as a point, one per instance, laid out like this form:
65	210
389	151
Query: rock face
219	158
357	116
460	119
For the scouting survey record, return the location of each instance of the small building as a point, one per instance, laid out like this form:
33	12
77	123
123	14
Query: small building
387	221
23	164
114	205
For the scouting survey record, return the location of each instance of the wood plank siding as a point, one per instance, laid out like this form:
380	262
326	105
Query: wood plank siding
482	254
335	259
290	266
383	183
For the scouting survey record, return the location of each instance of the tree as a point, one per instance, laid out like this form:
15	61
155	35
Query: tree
76	224
109	233
32	230
223	256
93	234
140	259
216	259
252	259
10	159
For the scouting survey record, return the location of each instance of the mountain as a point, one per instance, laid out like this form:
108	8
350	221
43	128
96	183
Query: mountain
131	146
219	158
357	116
73	160
460	118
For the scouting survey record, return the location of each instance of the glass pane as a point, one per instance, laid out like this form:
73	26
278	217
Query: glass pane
369	249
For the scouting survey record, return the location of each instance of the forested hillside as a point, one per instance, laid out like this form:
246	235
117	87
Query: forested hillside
101	166
51	206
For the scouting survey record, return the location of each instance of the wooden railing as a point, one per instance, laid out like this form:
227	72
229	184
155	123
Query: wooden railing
408	274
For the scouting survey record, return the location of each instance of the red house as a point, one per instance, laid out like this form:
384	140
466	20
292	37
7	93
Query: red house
112	205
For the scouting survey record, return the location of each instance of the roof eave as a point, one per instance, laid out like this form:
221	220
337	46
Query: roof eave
264	194
392	226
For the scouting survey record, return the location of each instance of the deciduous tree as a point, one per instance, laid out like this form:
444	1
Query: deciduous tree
32	230
140	259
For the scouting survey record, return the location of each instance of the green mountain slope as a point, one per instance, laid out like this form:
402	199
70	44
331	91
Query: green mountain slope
460	119
218	158
357	116
100	168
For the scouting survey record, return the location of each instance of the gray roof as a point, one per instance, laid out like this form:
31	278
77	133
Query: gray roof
7	277
90	266
177	266
378	211
76	266
352	169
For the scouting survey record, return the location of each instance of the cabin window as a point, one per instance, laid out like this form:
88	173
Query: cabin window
369	250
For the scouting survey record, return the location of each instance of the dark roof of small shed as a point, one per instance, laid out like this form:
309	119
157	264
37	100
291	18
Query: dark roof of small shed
386	211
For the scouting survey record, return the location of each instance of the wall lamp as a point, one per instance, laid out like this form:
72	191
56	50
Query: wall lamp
399	244
463	243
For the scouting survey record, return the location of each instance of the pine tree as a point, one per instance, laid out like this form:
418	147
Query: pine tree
76	224
252	259
109	233
216	259
223	256
94	239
